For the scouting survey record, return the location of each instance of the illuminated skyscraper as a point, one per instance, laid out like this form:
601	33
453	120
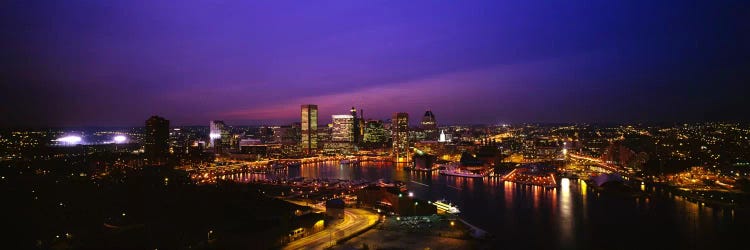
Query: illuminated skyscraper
218	134
156	141
309	128
400	135
343	128
429	126
375	133
361	125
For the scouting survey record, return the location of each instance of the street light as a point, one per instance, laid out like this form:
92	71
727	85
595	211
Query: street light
208	237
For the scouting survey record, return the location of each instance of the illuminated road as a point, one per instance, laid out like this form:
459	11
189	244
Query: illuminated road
317	207
597	161
354	221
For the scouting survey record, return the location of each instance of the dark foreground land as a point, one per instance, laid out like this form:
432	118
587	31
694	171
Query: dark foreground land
145	209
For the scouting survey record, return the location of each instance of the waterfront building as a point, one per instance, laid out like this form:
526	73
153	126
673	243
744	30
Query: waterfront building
309	128
356	128
343	128
342	135
392	199
400	136
375	133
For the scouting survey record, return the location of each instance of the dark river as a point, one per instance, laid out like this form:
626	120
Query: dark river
568	217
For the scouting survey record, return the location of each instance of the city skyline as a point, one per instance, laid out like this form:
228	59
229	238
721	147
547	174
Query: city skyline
376	124
113	63
324	120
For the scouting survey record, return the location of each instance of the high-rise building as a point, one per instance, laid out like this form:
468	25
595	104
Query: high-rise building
309	129
343	128
357	124
288	137
400	135
361	125
218	134
324	135
375	133
156	141
179	141
429	126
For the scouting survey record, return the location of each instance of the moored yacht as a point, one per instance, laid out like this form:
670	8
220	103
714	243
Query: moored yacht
455	171
446	207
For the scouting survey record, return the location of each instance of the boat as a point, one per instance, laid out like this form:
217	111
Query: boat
383	183
454	171
345	161
387	184
422	169
446	207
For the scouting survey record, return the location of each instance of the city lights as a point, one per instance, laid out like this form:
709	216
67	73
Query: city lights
70	140
370	125
120	139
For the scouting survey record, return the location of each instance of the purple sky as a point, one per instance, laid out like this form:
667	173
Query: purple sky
112	63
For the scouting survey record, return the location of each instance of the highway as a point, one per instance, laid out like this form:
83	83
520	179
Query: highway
599	162
354	221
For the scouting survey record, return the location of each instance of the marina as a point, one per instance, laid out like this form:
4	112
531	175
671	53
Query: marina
479	200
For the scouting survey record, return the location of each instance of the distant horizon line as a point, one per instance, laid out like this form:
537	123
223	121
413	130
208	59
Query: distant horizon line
448	124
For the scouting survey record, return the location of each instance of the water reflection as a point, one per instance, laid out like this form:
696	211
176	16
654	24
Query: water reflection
568	215
584	198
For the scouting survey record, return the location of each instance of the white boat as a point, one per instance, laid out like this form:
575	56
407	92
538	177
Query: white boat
462	173
447	207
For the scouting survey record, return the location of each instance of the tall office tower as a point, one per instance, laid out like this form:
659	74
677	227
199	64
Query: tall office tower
342	130
361	125
309	128
375	133
218	134
156	141
355	126
429	126
400	135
